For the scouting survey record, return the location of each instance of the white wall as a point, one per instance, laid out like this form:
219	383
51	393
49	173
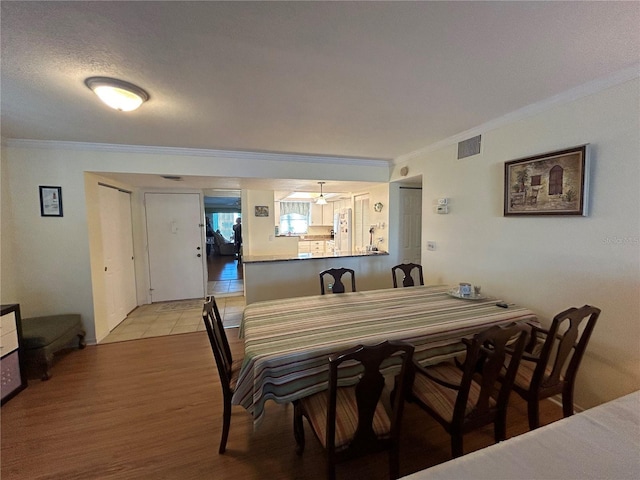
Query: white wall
8	269
550	263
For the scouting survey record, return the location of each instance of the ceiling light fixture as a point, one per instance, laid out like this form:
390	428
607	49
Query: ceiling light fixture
321	200
117	94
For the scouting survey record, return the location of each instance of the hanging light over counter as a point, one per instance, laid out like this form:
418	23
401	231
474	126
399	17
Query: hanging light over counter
321	200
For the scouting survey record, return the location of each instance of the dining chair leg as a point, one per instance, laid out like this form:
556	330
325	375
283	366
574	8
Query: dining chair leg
298	428
567	401
331	470
456	445
500	427
533	409
394	462
226	423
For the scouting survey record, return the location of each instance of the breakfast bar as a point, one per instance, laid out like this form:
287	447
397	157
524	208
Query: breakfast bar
270	277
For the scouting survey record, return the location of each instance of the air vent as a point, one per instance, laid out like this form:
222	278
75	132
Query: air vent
468	148
175	178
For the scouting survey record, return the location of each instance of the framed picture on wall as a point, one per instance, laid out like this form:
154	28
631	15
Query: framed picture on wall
262	211
50	201
554	183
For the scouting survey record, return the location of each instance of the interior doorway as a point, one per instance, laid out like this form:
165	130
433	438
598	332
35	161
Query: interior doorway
225	276
410	224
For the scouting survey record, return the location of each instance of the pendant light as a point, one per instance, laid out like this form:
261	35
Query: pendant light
118	94
321	200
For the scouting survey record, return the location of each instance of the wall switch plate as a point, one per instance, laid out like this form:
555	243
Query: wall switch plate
443	201
431	246
442	209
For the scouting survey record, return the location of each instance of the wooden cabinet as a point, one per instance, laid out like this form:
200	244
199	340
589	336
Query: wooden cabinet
321	215
13	374
311	246
327	214
316	215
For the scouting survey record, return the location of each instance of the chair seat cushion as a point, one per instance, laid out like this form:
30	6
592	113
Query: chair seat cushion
315	407
525	374
38	332
439	398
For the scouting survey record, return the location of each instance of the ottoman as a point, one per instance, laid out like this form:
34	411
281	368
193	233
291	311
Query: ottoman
44	336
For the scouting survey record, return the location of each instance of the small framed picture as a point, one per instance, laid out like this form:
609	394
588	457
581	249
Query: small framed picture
50	201
262	211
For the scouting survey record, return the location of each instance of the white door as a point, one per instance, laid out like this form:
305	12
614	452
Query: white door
175	246
410	224
117	248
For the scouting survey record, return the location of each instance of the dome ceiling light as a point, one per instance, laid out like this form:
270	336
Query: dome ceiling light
117	94
321	200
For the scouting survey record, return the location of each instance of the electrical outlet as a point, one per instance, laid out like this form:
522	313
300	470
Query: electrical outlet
431	246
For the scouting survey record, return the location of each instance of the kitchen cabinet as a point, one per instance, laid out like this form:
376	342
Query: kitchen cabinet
327	214
311	246
329	246
13	376
321	215
316	215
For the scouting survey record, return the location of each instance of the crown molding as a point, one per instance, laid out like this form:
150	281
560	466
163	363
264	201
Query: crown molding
585	90
196	152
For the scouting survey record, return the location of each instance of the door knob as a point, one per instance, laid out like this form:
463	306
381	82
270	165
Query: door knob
199	255
197	248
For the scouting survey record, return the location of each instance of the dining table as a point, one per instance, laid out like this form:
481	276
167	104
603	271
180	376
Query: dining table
288	341
598	443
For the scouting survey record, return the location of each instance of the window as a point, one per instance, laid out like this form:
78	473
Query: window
294	223
294	217
224	222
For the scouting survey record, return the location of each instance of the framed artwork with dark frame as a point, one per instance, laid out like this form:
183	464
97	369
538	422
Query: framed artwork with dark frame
50	201
554	183
262	211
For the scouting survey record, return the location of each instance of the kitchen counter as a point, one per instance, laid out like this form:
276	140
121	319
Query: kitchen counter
302	238
307	256
268	277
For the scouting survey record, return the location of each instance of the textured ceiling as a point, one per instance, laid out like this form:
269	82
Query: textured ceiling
362	79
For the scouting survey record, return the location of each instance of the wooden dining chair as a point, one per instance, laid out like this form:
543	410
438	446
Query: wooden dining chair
228	369
467	396
550	363
337	286
351	421
407	270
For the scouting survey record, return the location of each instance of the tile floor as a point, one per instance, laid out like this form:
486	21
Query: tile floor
181	316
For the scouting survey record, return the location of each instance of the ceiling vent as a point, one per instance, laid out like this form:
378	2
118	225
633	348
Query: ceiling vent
175	178
468	148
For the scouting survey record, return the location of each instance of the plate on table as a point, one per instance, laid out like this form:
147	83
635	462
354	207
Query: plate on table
455	292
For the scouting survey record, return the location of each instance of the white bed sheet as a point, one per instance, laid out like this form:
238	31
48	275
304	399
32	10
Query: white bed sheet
599	443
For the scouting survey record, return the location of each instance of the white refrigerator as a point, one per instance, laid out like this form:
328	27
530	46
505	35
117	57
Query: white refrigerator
342	230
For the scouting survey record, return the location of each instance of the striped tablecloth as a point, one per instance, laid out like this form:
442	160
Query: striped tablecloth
288	341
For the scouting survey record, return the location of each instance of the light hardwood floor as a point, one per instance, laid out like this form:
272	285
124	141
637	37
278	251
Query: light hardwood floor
151	409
